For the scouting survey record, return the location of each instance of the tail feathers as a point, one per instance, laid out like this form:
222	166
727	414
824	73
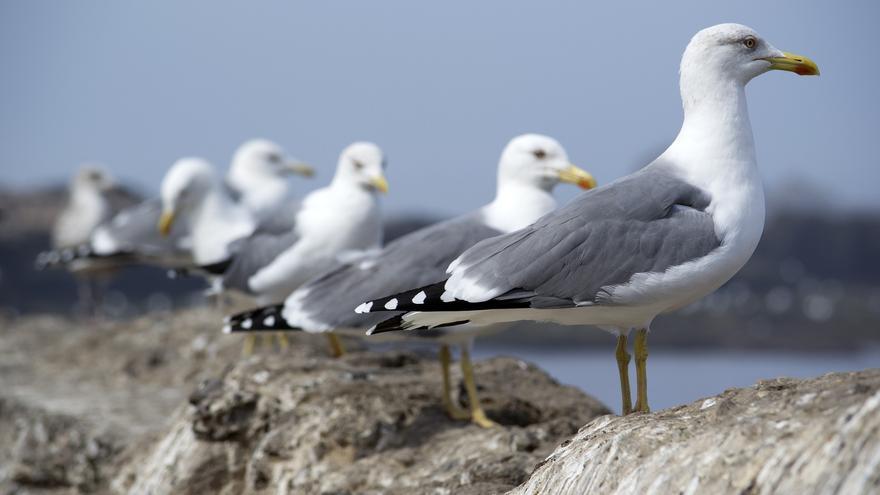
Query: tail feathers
218	268
264	319
400	323
65	257
213	269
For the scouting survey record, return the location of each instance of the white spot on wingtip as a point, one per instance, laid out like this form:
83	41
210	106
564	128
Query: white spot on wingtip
364	308
420	298
269	321
227	319
247	324
447	297
227	329
391	304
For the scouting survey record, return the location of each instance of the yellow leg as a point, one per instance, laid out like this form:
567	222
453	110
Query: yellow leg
283	343
641	350
452	410
623	358
248	347
478	416
336	348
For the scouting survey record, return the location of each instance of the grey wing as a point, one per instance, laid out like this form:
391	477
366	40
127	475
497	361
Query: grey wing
233	192
251	254
416	259
282	220
646	222
134	230
121	198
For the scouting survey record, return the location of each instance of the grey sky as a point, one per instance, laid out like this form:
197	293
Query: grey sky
440	86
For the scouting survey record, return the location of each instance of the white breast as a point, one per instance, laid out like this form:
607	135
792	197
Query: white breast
330	224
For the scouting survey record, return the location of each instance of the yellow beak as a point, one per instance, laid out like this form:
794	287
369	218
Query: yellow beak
299	168
573	174
165	223
794	63
379	183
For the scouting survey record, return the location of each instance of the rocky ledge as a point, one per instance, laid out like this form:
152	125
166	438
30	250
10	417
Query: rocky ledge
165	404
780	436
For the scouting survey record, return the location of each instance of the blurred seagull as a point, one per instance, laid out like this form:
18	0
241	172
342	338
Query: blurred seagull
87	207
336	222
257	179
648	243
530	166
194	195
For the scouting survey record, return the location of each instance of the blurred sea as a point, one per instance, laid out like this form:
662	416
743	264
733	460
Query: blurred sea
678	377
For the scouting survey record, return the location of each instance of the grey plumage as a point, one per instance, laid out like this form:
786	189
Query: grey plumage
646	222
282	220
134	230
251	254
413	260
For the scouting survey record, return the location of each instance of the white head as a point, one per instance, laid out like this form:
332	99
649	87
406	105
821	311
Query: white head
184	187
362	164
539	161
732	55
261	157
92	178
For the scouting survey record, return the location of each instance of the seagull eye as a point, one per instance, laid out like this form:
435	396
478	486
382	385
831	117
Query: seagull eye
750	42
357	165
540	154
273	157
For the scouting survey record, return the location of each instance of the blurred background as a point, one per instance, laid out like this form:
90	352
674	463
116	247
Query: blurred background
441	88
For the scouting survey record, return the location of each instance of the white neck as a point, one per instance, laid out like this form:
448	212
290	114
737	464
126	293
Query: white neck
715	150
87	197
517	205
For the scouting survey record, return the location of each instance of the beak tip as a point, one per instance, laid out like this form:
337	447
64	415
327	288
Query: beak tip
586	184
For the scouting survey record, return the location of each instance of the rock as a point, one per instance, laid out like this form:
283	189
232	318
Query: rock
52	450
165	404
780	436
370	422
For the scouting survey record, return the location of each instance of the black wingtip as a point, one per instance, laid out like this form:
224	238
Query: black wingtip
422	298
392	324
397	323
264	319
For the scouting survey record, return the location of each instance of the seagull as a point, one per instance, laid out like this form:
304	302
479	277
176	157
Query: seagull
193	194
257	179
258	175
657	240
342	219
88	206
336	222
530	166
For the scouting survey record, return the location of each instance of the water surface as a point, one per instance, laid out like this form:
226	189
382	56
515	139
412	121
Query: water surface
682	376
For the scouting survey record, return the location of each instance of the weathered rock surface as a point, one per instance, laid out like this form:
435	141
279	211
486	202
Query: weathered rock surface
165	405
366	423
780	436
